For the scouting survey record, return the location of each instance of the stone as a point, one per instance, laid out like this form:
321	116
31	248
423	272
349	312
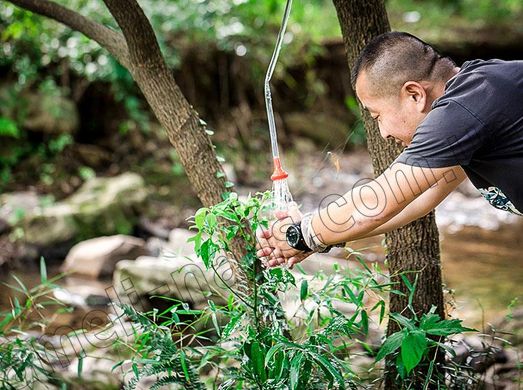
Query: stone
102	206
507	376
174	276
321	128
51	114
148	228
178	241
92	155
15	206
97	257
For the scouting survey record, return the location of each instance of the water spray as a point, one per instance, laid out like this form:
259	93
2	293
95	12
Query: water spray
281	195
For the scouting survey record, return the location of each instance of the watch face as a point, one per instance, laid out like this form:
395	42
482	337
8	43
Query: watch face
293	235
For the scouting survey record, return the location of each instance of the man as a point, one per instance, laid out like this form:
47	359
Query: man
455	122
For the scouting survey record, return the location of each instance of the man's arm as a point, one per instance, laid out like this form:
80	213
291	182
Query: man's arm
375	204
420	206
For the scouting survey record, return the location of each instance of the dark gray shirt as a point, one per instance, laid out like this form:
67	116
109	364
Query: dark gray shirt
478	124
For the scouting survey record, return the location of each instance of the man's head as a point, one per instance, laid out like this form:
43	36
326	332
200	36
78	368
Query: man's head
396	78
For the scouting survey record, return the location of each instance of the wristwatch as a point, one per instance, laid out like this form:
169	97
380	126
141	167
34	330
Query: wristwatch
295	239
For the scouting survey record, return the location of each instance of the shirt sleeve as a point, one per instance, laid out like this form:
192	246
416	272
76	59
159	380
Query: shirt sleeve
449	135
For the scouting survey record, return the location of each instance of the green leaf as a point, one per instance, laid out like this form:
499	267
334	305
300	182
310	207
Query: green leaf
304	290
429	321
329	370
305	374
135	370
403	321
199	217
364	322
271	352
294	374
80	364
211	221
391	344
258	359
205	252
184	365
43	271
413	347
381	305
8	128
446	328
230	327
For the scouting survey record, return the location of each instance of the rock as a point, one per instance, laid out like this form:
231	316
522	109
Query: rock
506	376
97	371
15	206
458	211
230	173
510	327
322	128
102	206
178	241
92	155
147	228
83	293
477	352
155	246
51	114
97	257
4	226
181	277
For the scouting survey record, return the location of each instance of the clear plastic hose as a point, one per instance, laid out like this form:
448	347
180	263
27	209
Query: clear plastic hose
268	76
281	196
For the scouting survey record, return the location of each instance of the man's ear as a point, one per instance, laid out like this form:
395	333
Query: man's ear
414	91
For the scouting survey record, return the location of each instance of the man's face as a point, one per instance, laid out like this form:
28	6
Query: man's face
397	116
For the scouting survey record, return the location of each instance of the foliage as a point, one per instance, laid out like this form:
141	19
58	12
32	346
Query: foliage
257	347
246	342
357	135
418	343
23	360
254	348
439	18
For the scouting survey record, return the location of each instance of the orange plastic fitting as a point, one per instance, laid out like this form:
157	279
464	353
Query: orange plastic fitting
278	173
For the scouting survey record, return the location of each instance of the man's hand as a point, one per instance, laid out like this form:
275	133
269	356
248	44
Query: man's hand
272	243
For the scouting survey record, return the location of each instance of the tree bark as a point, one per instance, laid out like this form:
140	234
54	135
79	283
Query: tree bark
414	247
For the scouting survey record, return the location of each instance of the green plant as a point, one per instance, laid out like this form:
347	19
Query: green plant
357	134
419	342
23	360
258	347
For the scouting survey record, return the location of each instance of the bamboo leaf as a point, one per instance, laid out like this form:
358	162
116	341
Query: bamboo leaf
304	290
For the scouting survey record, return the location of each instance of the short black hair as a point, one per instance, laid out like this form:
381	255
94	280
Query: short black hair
395	57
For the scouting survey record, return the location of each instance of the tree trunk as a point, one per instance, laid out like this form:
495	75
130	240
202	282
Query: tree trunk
414	247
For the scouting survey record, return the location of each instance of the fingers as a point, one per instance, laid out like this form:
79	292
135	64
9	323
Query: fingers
275	262
262	243
266	251
292	211
297	259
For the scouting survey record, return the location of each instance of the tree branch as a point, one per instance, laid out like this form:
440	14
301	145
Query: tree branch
144	50
109	39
